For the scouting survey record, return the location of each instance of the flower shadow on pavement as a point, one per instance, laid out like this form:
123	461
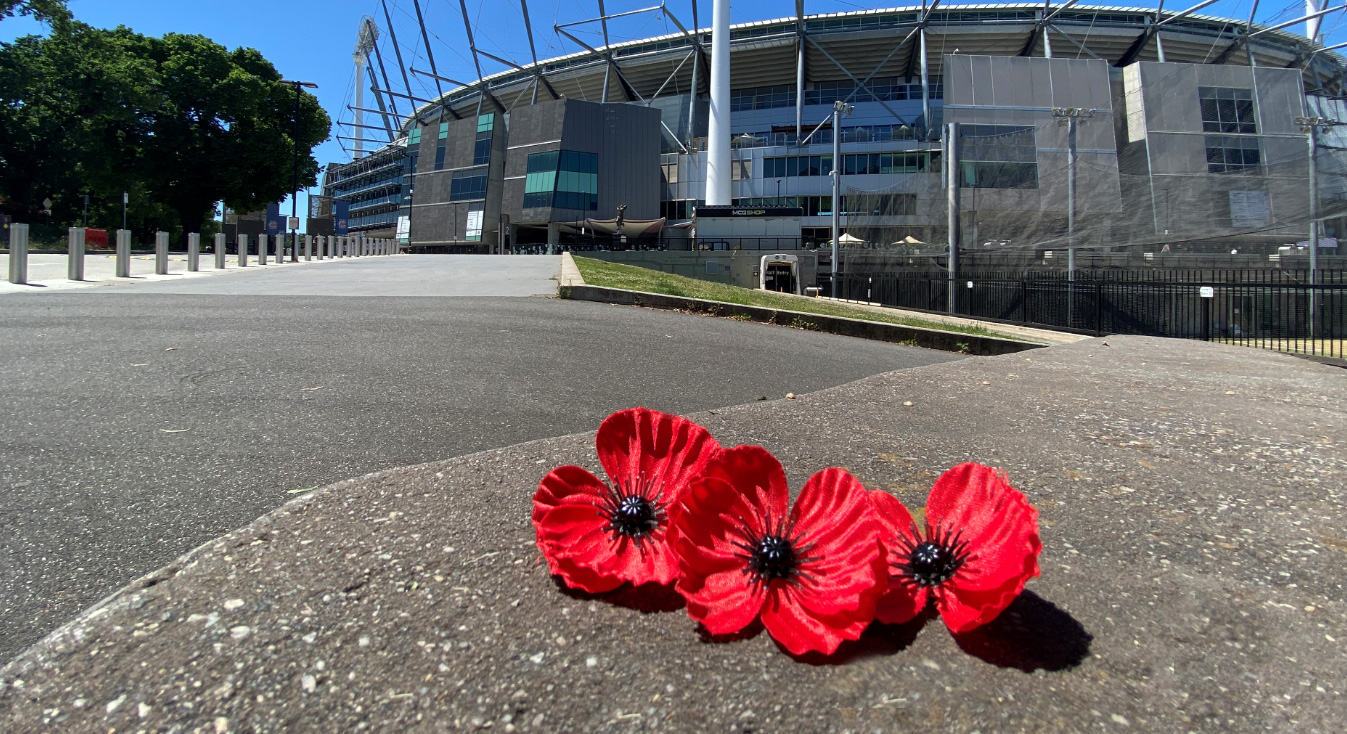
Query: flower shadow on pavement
1031	634
878	640
646	598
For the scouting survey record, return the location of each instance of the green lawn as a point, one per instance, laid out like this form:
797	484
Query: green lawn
630	277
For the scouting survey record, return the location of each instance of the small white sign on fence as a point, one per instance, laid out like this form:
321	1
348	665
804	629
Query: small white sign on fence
1207	291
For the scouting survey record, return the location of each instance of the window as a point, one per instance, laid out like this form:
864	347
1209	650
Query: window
795	165
762	98
468	184
678	209
1232	154
439	156
1227	110
564	179
444	130
670	172
998	157
414	137
481	150
882	89
741	169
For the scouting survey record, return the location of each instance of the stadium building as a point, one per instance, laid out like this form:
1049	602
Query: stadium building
1089	125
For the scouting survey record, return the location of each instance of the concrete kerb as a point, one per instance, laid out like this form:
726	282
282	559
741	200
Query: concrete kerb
948	341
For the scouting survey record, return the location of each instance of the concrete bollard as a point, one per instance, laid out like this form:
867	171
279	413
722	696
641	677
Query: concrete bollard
220	251
262	245
123	253
75	268
193	252
308	247
18	254
243	250
161	253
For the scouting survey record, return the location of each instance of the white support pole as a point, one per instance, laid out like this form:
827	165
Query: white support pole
308	247
220	251
161	253
243	250
75	246
719	129
952	211
193	252
123	253
18	254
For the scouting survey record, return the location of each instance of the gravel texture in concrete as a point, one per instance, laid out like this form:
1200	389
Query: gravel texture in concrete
1191	498
136	427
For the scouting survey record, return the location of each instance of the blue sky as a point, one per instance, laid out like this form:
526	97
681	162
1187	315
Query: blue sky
312	40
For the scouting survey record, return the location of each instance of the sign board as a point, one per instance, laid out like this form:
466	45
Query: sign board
274	222
1207	291
1323	242
746	211
341	212
404	229
293	222
1248	209
475	224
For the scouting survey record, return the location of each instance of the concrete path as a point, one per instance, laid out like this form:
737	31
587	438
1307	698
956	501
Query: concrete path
47	271
1191	498
136	426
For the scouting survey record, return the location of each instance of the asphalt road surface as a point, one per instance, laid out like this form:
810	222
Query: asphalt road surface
135	426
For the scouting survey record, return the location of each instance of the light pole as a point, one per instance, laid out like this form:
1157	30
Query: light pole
1311	126
294	188
1067	116
839	108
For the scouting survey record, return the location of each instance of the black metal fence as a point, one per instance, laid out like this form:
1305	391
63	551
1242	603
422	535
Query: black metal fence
1272	309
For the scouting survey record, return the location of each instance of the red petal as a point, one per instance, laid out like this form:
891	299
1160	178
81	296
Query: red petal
754	472
834	526
1002	533
902	601
665	450
800	630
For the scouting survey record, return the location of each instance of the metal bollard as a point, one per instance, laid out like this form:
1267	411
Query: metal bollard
243	250
220	251
18	254
75	268
193	252
308	247
123	253
161	253
262	245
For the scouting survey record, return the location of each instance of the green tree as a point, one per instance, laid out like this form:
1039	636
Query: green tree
48	10
180	121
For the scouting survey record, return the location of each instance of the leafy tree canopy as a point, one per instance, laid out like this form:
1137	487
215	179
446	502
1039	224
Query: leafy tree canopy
48	10
181	122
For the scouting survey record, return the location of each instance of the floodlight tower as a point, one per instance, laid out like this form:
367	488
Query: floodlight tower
718	129
366	37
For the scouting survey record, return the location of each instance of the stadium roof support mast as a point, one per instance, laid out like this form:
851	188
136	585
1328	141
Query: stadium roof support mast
718	132
365	39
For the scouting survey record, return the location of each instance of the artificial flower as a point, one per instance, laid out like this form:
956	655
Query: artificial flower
813	572
597	536
979	547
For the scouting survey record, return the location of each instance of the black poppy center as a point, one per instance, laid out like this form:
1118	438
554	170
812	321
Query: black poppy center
634	516
932	564
773	558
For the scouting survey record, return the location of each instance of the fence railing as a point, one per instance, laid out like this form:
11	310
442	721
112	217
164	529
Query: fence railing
1278	310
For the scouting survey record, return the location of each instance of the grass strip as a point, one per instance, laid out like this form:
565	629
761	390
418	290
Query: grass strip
633	278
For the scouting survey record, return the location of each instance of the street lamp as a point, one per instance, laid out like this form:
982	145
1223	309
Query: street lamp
839	108
294	189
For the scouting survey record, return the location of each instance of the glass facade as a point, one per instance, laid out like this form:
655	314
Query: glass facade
481	151
564	179
998	157
1227	110
468	184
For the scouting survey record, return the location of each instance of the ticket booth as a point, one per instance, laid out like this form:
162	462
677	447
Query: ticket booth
780	273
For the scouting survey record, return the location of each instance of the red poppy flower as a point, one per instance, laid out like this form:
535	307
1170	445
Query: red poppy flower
596	536
814	574
979	547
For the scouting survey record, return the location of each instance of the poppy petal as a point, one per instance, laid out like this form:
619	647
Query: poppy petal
902	601
1001	529
753	469
640	447
838	540
800	630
